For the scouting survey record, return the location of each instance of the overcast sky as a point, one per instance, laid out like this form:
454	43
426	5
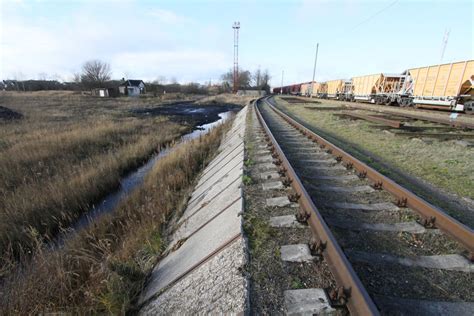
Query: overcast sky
193	40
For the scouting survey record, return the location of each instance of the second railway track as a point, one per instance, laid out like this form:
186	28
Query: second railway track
389	251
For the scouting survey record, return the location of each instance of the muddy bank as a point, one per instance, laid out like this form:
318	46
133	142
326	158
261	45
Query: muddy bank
7	114
190	112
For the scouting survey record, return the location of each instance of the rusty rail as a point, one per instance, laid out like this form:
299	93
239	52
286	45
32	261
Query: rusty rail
375	119
357	299
435	135
443	121
448	122
429	213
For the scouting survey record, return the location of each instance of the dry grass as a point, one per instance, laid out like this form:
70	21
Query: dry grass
67	152
443	164
103	269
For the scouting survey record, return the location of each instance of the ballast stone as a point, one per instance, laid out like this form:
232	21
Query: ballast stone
278	201
307	302
285	221
296	253
275	185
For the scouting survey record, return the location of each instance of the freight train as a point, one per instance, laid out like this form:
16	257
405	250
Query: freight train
446	86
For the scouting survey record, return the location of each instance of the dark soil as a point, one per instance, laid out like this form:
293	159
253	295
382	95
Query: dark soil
188	112
7	114
298	100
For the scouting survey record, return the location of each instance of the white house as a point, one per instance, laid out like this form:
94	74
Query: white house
132	88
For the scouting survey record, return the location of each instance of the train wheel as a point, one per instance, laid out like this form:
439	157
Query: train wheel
469	107
404	102
387	101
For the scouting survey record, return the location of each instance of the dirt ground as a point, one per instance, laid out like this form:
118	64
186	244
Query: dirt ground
189	112
7	114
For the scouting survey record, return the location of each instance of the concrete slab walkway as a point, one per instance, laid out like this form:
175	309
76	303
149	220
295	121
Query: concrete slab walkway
201	273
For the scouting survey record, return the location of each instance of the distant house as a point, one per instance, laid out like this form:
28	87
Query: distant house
132	88
105	92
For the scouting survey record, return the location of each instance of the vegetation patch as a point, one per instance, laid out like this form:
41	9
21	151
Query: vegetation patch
103	268
60	160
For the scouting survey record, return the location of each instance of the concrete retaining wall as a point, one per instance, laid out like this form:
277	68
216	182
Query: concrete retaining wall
202	272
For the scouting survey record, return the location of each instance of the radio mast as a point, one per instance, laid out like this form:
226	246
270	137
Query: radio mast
236	28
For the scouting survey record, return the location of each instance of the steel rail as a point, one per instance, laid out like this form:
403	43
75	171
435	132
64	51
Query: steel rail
358	300
422	117
431	215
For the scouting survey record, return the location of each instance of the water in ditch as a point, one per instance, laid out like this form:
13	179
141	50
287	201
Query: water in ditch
136	178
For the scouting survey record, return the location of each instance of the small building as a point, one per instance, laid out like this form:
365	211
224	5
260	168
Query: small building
105	92
132	88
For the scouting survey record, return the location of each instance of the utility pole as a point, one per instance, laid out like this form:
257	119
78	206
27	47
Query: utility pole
314	69
236	28
445	43
281	87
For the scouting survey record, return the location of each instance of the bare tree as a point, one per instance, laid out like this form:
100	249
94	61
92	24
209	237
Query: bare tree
257	77
95	73
265	80
43	76
76	77
244	79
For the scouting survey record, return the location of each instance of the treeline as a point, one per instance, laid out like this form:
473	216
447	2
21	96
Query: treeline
247	80
152	87
97	74
37	85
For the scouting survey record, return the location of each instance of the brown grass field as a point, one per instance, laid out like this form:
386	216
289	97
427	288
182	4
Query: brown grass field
67	152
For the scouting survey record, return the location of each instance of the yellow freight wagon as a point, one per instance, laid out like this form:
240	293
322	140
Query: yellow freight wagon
320	89
439	86
305	89
363	87
379	88
334	87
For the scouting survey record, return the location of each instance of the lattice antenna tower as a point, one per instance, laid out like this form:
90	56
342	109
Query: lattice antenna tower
236	28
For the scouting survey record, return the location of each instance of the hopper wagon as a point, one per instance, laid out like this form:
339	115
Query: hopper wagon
334	88
444	86
381	89
320	89
305	89
346	91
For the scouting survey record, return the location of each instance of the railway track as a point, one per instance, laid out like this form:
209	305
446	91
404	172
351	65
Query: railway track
388	250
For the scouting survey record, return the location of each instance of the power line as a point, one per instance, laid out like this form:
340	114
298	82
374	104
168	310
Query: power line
374	15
